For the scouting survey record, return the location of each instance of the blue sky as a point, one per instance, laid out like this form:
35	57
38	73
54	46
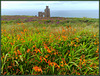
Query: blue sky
54	5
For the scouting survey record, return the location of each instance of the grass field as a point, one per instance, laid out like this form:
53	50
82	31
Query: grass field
53	46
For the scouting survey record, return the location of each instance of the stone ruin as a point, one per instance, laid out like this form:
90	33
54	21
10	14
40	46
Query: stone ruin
46	13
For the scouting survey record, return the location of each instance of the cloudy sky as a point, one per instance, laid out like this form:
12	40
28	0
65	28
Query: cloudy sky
54	5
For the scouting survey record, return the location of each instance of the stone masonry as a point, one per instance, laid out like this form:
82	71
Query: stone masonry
46	13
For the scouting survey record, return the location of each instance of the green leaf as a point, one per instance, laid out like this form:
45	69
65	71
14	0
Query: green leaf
5	57
2	67
21	69
53	67
16	62
21	58
75	65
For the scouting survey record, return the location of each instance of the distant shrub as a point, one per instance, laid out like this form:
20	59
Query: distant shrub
11	21
3	21
96	24
67	21
18	20
48	21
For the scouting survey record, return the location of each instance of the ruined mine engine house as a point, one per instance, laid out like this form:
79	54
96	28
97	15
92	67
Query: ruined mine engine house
46	13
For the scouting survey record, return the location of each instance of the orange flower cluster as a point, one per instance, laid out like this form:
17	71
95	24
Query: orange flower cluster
46	56
18	23
12	43
94	35
43	27
18	52
41	58
37	50
63	62
82	60
25	30
97	50
70	27
45	60
18	37
37	69
28	50
53	63
22	32
63	30
64	37
48	50
77	39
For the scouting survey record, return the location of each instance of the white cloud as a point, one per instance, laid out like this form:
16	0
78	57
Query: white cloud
54	5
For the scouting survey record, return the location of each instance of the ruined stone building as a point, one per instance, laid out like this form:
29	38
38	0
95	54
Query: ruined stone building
46	13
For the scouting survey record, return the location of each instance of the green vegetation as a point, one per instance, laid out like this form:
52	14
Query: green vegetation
57	46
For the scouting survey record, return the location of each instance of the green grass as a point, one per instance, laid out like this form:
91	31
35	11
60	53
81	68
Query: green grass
70	47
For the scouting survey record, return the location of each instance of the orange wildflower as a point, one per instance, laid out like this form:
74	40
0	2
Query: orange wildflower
70	27
37	69
75	45
19	52
39	51
45	46
16	57
61	65
80	59
4	73
67	27
45	60
74	29
63	30
7	60
25	30
95	43
22	32
50	64
83	60
41	59
28	50
60	39
62	62
36	50
94	35
49	51
91	65
46	56
39	33
18	23
54	63
22	39
18	38
97	49
11	43
78	73
69	55
22	23
58	66
15	52
65	64
43	27
33	46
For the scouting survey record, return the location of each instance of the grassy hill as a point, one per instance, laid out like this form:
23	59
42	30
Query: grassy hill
49	46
